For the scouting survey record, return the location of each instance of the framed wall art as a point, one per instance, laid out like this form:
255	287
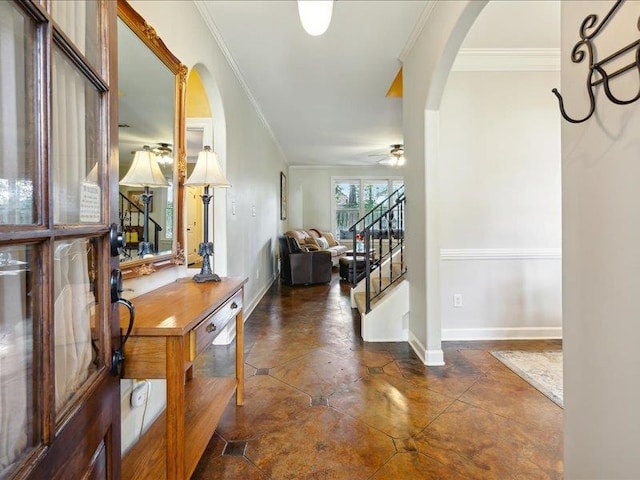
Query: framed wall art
283	196
135	197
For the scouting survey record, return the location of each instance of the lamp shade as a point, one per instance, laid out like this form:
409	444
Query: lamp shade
144	171
315	15
92	176
207	171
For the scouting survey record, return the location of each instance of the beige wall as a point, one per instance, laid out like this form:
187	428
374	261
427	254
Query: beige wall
601	259
499	205
600	233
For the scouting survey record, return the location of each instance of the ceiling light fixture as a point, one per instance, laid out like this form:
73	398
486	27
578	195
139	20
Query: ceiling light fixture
396	157
315	15
163	153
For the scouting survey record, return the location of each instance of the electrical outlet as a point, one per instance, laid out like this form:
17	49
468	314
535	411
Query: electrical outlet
140	393
457	300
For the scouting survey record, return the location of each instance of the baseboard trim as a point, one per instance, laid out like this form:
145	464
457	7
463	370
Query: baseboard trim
228	334
254	303
402	337
505	333
431	358
417	346
435	358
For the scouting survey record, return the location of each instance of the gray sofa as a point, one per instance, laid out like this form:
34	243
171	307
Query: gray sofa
317	240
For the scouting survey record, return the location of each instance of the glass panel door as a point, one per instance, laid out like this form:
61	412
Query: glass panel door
17	117
19	415
77	339
80	21
375	194
75	108
347	198
58	400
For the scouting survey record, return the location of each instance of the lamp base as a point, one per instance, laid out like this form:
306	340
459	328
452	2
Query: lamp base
145	249
206	277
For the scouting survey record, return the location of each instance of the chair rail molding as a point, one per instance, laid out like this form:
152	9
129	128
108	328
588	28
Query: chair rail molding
447	254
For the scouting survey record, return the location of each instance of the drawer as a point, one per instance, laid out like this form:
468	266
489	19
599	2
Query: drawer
202	335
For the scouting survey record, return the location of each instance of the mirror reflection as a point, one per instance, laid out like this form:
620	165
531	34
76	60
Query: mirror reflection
148	156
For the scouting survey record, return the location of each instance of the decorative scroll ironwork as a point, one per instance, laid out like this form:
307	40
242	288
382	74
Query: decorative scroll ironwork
589	30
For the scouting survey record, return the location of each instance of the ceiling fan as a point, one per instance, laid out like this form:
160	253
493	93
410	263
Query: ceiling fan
163	152
395	157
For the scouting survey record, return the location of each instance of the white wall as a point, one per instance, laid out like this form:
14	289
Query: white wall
425	71
499	187
311	193
253	164
601	259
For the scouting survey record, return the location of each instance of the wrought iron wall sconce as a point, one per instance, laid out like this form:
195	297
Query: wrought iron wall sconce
585	48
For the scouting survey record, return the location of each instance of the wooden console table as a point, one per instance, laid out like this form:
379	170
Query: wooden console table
173	325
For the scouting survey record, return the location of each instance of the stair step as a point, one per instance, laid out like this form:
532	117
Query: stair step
379	283
361	297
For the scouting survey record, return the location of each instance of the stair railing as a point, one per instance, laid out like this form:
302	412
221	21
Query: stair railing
387	225
368	217
127	211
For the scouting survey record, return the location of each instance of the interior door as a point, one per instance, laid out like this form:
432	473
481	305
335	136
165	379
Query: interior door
199	134
194	223
59	402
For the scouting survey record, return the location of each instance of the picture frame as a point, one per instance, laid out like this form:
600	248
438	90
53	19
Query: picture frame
283	196
135	197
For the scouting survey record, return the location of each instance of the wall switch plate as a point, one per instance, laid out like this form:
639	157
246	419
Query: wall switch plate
253	210
139	394
457	300
233	208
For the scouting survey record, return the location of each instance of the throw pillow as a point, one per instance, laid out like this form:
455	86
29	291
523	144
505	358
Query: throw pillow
294	246
330	239
311	241
323	243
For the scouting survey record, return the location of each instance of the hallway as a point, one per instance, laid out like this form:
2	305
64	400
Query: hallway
322	404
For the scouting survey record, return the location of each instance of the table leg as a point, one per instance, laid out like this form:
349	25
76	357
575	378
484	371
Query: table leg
175	409
240	358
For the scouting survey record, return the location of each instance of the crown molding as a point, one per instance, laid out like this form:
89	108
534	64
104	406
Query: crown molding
215	33
507	60
417	29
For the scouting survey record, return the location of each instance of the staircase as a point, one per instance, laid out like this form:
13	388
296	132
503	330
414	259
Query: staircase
132	225
382	295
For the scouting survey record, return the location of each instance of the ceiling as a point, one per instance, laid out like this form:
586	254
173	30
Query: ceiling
324	97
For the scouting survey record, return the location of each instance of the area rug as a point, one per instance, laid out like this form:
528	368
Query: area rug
543	370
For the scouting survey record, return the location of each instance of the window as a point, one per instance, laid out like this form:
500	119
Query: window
355	197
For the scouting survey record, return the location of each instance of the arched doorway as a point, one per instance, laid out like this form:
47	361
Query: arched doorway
205	125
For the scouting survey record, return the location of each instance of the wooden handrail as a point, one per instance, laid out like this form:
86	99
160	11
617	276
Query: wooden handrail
127	205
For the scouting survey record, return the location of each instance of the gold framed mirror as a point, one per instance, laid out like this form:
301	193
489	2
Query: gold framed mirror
151	125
